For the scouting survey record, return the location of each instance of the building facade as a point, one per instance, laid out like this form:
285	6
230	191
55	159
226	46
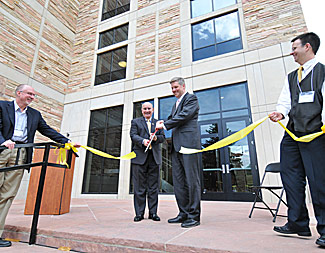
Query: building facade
94	62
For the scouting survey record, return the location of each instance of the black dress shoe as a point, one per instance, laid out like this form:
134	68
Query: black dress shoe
154	217
178	219
138	218
289	229
190	223
4	243
321	241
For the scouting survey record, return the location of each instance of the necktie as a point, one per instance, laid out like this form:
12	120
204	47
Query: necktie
300	69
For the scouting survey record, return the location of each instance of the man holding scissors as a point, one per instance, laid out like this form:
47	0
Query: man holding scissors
145	167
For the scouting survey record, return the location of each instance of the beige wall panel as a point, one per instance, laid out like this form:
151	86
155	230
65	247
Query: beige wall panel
66	11
52	68
17	46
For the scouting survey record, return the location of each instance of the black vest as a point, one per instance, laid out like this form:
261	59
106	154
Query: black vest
306	117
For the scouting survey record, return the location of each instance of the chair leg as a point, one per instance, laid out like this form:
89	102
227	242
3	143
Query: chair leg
251	212
278	205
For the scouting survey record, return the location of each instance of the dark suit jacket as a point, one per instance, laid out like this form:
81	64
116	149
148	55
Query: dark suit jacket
139	131
183	121
35	122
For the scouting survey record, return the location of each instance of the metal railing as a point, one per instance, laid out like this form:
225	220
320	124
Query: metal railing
44	164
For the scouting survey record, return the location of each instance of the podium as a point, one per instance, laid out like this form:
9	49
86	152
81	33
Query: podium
57	186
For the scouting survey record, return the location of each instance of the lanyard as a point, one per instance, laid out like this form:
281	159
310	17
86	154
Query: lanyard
311	82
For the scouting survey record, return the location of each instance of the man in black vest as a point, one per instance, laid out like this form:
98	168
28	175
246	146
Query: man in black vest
302	99
145	167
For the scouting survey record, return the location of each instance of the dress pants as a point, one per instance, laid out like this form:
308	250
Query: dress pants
146	185
9	181
187	185
298	160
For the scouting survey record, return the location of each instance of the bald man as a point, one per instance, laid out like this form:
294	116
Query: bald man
145	167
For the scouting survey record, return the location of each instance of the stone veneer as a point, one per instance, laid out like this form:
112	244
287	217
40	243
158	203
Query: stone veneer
272	22
145	57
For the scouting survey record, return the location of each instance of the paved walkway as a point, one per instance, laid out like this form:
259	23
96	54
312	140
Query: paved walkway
107	225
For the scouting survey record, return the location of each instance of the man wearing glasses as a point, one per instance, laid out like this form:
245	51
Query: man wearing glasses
18	125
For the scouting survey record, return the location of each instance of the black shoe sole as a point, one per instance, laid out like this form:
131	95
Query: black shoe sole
307	233
189	226
322	244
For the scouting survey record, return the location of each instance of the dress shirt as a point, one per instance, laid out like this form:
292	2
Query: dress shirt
179	100
284	101
20	124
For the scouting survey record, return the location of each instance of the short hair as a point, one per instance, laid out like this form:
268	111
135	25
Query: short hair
311	38
180	80
20	87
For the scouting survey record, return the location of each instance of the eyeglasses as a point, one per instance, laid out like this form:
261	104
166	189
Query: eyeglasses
29	94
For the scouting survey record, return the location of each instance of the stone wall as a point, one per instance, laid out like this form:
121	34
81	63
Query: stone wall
272	22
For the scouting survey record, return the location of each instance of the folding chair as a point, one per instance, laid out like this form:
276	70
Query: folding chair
257	190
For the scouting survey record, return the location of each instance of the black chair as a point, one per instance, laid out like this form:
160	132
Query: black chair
257	190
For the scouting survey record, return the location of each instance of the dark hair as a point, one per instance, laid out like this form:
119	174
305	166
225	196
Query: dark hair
311	38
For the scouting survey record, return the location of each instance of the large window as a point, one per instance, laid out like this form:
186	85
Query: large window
113	36
201	7
111	66
105	130
112	8
216	36
165	108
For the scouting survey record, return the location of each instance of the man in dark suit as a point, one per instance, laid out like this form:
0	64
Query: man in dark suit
18	124
186	168
145	167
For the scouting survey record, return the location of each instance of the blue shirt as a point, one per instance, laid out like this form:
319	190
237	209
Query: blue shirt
20	132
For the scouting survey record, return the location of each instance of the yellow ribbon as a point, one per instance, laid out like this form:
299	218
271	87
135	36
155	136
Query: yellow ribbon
62	157
244	132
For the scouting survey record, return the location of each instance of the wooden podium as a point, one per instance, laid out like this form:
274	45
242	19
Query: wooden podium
57	187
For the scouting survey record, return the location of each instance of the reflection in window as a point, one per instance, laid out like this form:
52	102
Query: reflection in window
165	107
216	36
201	7
112	8
101	175
110	66
233	97
113	36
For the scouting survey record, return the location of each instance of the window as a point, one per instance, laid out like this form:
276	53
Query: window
113	36
105	131
216	36
112	8
111	66
165	107
201	7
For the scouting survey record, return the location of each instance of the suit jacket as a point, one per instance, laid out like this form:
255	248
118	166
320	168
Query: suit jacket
184	122
35	122
139	131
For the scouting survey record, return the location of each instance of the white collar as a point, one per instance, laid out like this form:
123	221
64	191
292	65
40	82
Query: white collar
180	99
310	64
17	107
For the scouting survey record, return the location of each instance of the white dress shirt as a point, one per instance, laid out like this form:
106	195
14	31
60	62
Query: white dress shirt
284	101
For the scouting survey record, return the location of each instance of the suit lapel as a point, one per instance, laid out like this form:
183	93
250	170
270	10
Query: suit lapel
11	112
144	124
180	104
29	120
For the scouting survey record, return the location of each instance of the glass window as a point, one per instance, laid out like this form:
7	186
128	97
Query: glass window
101	174
201	7
112	8
113	36
233	97
216	36
111	66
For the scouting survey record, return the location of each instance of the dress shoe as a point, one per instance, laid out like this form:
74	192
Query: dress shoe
4	243
190	223
138	218
154	217
289	229
321	241
178	219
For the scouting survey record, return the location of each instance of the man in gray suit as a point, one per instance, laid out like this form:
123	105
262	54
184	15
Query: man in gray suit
145	166
186	168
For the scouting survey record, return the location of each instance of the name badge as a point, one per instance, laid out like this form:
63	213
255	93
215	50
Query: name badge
18	132
306	97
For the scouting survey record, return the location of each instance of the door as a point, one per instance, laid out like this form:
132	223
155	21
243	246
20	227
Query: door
228	172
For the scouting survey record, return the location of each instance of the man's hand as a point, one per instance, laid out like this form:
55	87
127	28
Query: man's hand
9	144
276	116
146	142
160	124
154	138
